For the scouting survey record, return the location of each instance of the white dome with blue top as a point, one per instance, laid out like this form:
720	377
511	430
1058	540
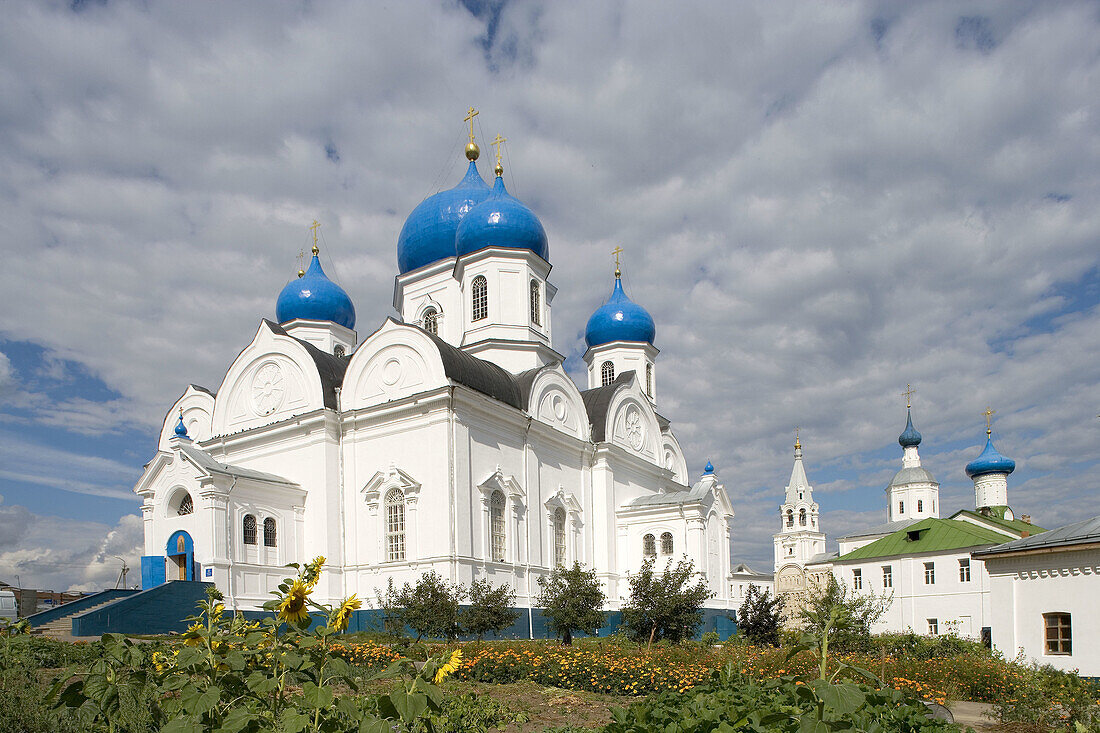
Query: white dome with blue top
429	232
501	220
619	319
314	297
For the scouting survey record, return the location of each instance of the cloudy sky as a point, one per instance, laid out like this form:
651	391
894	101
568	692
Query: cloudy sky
819	203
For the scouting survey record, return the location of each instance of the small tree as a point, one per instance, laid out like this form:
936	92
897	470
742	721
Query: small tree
491	609
571	601
760	617
668	606
852	616
430	608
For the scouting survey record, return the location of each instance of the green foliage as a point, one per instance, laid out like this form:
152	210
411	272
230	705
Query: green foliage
571	600
668	606
469	712
709	638
430	608
490	610
855	613
1029	701
918	646
760	617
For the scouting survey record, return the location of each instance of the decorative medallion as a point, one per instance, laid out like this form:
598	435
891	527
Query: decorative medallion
635	431
391	372
268	389
559	407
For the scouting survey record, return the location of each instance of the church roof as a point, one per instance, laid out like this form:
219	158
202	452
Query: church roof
330	368
205	461
596	402
1015	525
912	475
743	569
200	388
1078	533
478	374
698	492
927	535
619	319
822	557
526	380
880	529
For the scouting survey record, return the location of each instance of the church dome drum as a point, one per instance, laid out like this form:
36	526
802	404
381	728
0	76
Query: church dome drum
429	232
501	220
619	319
314	297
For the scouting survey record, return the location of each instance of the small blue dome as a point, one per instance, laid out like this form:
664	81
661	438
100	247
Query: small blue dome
429	233
910	438
990	461
501	220
181	429
708	469
315	298
619	319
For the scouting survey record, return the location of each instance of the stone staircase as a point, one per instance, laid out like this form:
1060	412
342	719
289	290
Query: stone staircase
62	628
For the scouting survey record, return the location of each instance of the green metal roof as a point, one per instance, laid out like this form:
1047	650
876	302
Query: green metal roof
933	535
1014	525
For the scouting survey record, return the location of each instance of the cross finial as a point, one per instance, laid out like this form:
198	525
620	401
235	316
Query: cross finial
472	150
497	142
908	395
313	228
301	262
617	251
989	413
470	115
797	442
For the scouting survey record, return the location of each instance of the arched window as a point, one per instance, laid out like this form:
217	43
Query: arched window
479	297
496	526
269	532
338	350
559	537
607	373
249	529
649	380
790	518
666	543
802	517
536	310
431	320
186	505
920	505
649	546
395	525
901	507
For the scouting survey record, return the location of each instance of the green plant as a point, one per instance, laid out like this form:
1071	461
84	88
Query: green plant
856	615
668	606
709	638
571	600
760	617
1053	699
430	608
490	610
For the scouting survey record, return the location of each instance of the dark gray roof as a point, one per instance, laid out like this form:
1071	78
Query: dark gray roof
744	569
596	402
698	492
912	475
478	374
663	422
330	367
526	380
822	557
1079	533
203	460
204	389
882	529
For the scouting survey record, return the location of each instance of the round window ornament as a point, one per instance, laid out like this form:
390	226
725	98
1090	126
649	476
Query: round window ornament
268	389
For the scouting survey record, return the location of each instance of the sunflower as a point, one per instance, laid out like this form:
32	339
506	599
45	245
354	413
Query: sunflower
292	609
312	571
342	614
191	636
450	666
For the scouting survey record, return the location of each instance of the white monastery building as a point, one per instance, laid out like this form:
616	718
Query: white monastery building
448	439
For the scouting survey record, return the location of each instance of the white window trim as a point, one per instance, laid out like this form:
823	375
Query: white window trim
374	494
514	508
561	499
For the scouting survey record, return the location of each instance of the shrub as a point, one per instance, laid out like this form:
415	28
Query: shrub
854	615
760	617
668	606
490	610
430	608
571	600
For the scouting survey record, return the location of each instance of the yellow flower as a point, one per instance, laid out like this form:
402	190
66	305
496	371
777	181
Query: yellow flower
311	573
191	636
449	667
293	608
342	615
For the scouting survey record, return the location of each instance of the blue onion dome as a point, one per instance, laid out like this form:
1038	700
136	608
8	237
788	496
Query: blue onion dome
501	220
990	461
619	319
315	298
429	233
181	429
708	469
910	438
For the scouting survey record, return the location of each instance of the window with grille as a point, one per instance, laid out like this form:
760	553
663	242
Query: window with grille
607	373
964	570
479	297
930	573
802	517
559	537
649	380
901	507
249	529
430	321
666	543
790	518
269	532
933	626
1057	633
338	350
395	525
186	505
496	526
649	546
887	576
857	579
536	309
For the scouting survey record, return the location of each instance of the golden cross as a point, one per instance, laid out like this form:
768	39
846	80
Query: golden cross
497	142
989	412
470	115
797	443
313	228
908	394
617	251
301	261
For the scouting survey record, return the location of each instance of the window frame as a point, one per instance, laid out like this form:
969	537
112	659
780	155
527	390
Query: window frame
649	545
498	527
964	570
607	373
536	302
271	532
186	505
857	579
245	529
933	626
479	298
668	543
395	526
887	576
1062	643
560	548
429	320
930	573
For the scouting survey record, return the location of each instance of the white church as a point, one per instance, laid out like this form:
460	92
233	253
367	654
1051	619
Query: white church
448	439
